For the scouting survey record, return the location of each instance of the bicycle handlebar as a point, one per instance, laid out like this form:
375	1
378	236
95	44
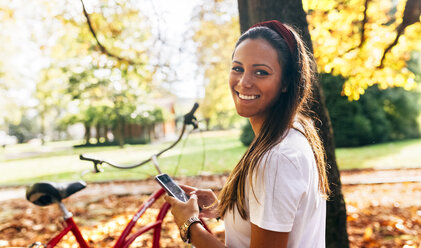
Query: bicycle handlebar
189	119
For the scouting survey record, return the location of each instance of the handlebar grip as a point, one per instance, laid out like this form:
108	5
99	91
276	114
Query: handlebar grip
88	158
189	118
195	107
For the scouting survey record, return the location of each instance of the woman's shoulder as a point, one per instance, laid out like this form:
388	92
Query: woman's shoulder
293	142
294	149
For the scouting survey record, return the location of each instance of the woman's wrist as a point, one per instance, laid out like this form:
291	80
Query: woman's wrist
186	226
200	237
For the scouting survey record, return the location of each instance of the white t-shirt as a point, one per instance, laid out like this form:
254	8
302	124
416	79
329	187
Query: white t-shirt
288	198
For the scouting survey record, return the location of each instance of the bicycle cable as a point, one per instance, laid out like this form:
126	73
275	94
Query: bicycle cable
180	154
203	150
203	161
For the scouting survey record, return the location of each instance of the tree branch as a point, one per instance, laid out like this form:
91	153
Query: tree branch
101	47
411	15
363	38
365	19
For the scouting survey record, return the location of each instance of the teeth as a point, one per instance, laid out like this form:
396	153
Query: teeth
245	97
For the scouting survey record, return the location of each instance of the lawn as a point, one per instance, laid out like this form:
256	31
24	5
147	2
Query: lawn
399	154
207	152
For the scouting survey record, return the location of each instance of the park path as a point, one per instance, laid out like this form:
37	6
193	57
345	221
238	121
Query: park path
102	189
377	176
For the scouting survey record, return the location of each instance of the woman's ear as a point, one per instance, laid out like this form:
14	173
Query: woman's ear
283	90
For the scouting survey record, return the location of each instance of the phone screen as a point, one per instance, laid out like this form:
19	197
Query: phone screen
171	187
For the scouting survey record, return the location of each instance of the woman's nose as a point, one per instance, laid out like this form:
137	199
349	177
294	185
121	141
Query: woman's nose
246	81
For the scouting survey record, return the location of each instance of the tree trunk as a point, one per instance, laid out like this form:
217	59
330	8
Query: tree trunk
121	130
106	130
42	131
207	121
291	12
98	132
87	133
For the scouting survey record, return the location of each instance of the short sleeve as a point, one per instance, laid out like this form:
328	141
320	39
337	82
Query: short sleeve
277	188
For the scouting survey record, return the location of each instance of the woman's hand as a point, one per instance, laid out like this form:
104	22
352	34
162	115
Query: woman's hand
182	211
207	201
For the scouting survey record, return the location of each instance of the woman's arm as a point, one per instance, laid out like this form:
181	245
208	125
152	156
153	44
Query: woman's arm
265	238
201	238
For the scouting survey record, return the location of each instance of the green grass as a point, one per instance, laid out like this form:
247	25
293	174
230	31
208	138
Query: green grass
58	161
399	154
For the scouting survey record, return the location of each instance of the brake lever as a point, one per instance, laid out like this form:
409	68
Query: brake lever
97	169
193	121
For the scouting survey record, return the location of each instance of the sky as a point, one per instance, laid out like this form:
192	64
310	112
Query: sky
171	19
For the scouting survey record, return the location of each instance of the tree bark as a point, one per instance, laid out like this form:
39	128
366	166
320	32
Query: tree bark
292	13
87	133
42	131
98	132
121	129
106	130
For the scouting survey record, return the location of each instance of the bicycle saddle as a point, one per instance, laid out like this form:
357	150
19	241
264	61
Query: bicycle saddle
46	193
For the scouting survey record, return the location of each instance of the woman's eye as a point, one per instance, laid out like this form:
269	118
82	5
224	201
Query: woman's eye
237	69
262	73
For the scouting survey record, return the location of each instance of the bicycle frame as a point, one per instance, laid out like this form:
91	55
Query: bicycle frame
70	226
125	239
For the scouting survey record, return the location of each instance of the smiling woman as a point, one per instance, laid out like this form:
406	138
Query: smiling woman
275	196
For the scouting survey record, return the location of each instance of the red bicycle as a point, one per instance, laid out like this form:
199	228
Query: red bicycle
48	193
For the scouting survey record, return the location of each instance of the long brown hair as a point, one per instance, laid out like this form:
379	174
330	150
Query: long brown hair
298	73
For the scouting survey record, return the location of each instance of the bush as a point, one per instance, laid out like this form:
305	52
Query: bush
26	130
247	134
379	115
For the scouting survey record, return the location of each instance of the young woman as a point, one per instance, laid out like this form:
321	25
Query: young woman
276	195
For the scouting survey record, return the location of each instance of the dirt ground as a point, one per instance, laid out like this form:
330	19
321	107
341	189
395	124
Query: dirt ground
379	214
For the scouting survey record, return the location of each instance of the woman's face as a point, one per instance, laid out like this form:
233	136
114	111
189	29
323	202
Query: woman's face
255	78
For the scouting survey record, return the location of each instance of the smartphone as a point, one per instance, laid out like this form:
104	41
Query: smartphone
171	187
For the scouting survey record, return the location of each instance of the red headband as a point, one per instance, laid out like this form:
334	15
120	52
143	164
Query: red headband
283	31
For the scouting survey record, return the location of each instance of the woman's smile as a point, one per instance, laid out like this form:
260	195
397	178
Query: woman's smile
247	96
